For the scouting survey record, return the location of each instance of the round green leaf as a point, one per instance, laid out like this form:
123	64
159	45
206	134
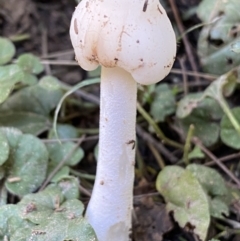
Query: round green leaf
27	122
65	224
9	76
64	131
212	182
29	159
218	208
223	86
5	91
10	221
49	83
29	79
202	129
61	174
214	185
228	134
12	135
11	72
33	99
196	153
23	233
30	64
187	104
197	102
163	104
186	198
70	187
57	219
59	152
202	112
216	40
7	50
43	204
4	149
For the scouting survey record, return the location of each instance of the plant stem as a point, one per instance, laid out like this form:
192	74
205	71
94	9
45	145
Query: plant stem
3	195
159	132
229	114
88	131
187	145
157	156
225	231
140	163
90	97
71	91
82	175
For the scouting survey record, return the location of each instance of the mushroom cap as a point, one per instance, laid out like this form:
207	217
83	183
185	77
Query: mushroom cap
134	35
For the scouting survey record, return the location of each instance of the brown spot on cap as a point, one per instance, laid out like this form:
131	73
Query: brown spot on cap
145	5
75	26
159	10
116	60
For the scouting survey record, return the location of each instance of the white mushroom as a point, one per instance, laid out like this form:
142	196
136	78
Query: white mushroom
133	41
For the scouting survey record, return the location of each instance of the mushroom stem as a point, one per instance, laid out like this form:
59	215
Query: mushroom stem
110	208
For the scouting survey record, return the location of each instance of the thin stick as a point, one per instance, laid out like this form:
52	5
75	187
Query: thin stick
174	71
192	73
161	148
159	132
197	142
184	75
45	48
184	37
85	191
89	138
82	175
74	63
223	159
71	91
157	155
187	145
61	164
146	195
57	54
60	62
191	84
